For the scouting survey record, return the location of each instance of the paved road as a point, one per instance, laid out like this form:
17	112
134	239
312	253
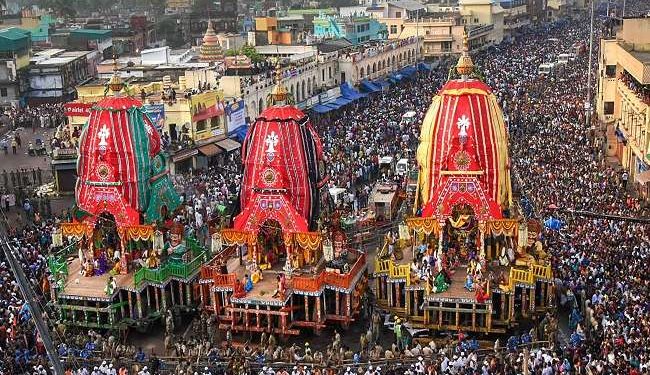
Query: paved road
22	159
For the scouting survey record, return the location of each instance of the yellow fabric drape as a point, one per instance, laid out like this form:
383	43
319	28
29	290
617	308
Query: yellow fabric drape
75	229
139	232
507	227
426	225
423	155
308	240
235	237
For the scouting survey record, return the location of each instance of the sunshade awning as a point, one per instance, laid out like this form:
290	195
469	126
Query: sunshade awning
369	86
228	144
209	150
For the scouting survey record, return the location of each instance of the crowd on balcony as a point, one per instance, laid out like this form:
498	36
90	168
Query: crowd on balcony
641	91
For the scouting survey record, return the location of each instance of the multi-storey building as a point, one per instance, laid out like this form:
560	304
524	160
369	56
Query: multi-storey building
623	98
14	63
356	29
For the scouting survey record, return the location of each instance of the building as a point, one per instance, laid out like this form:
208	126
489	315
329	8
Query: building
376	61
556	9
395	13
285	30
54	74
357	29
515	15
84	40
178	6
536	10
484	19
440	36
623	98
313	74
15	45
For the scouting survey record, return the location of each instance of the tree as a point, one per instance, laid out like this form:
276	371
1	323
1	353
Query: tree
251	53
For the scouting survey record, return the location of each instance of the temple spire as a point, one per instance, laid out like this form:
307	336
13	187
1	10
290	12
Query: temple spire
465	65
279	94
115	84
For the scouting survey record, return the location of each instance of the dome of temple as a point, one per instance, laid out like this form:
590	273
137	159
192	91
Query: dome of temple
211	50
463	152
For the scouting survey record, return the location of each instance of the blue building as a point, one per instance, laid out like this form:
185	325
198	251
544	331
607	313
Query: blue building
356	29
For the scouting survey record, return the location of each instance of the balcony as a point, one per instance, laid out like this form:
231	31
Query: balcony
639	104
438	38
480	31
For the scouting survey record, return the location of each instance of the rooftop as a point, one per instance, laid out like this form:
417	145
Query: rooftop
643	57
410	5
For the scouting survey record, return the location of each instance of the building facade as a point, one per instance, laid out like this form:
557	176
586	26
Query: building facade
623	98
14	64
515	16
55	74
356	29
484	19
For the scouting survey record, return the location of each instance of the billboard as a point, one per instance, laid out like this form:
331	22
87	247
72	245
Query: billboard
77	109
156	113
236	115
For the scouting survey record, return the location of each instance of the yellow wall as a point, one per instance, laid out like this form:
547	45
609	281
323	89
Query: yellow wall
178	113
265	23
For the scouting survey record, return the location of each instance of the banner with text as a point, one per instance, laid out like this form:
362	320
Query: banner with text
236	115
156	113
77	109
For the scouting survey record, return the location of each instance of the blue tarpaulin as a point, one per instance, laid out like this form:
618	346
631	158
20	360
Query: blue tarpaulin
341	101
239	133
369	86
350	92
381	83
395	77
408	71
424	67
319	108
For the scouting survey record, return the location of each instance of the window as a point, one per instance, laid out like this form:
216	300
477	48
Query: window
475	20
609	108
200	126
393	29
3	91
215	122
398	14
330	72
610	71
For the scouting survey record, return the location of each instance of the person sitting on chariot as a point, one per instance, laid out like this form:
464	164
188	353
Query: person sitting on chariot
116	269
503	258
469	282
239	291
279	292
257	275
110	286
248	284
88	268
439	284
152	259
